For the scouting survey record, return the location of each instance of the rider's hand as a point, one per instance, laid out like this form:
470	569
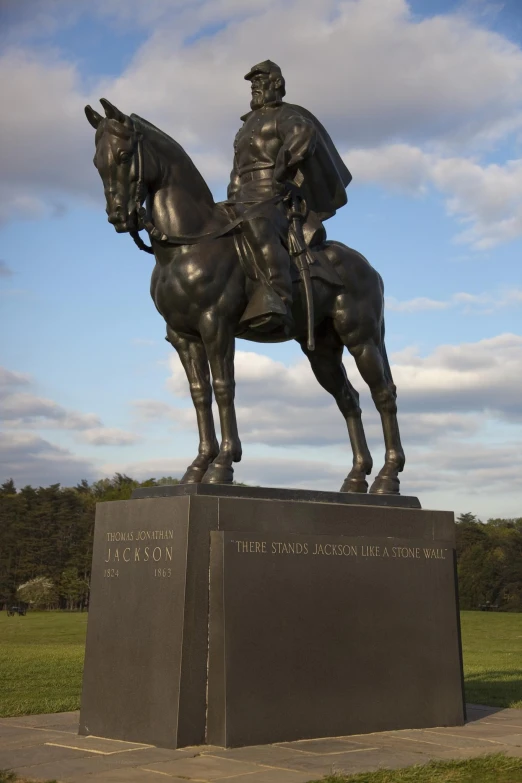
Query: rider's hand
280	188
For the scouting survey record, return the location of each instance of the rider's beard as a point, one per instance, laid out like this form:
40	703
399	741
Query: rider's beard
258	100
262	97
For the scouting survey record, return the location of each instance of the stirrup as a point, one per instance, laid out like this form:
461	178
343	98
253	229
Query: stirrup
263	302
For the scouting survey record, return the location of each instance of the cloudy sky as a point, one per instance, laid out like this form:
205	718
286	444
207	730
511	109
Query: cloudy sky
424	101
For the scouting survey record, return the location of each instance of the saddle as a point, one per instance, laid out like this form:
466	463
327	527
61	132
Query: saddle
315	238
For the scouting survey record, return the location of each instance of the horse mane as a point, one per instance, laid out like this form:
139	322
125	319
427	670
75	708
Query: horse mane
147	126
172	149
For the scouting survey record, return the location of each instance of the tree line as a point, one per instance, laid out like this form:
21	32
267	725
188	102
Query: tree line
489	563
46	537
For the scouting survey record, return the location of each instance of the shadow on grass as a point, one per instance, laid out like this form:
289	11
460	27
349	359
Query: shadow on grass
495	688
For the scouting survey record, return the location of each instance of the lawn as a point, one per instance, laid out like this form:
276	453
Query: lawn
41	659
492	649
484	769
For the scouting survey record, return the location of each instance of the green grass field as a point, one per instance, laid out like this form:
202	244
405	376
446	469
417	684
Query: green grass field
41	659
485	769
492	650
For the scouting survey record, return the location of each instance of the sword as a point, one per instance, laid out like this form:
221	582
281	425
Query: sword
299	251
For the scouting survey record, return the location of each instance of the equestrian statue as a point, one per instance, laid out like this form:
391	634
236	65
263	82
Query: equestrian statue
257	266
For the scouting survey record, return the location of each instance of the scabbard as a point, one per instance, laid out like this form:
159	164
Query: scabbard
305	277
300	253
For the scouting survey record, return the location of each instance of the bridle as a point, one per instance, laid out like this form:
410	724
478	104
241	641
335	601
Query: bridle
187	239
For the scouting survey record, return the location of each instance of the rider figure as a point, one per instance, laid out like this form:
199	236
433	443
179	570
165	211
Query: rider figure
279	146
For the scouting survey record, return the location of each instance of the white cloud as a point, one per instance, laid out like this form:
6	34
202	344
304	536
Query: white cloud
481	377
46	144
460	414
486	303
455	389
108	436
444	81
418	305
10	378
25	410
28	410
29	459
272	472
485	198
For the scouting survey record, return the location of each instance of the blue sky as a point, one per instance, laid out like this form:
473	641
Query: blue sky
424	101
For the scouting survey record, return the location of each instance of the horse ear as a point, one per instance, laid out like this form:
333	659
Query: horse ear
93	116
111	112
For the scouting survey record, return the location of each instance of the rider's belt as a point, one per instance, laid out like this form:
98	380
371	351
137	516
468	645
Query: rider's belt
249	176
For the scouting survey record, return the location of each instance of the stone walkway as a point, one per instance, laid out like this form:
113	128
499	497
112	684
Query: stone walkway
47	746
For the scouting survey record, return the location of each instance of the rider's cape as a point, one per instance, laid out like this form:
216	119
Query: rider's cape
324	175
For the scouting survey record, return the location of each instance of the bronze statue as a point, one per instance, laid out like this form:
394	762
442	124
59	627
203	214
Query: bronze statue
257	266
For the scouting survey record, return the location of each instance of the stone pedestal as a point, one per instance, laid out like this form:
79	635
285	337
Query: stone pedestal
314	614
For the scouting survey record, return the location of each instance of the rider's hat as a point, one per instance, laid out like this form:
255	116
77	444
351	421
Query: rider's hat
267	66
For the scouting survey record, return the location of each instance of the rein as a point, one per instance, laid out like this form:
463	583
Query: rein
187	239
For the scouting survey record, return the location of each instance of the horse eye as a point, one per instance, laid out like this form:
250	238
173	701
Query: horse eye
124	157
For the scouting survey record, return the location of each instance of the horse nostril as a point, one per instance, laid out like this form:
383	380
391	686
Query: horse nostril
115	214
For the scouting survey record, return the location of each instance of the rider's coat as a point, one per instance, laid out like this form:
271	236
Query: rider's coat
281	141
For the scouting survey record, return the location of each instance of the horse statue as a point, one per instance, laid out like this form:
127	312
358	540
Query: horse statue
201	289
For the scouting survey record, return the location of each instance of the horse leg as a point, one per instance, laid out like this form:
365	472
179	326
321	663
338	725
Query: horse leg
327	364
373	365
219	340
194	360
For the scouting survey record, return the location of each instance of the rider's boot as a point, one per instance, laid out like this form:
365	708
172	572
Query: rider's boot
270	307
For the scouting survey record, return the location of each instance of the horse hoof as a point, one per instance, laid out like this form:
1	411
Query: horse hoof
218	474
193	475
354	485
385	485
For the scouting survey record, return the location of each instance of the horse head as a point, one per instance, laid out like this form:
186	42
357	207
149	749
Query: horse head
117	159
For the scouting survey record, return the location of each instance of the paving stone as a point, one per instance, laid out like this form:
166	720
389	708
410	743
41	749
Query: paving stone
323	746
69	720
136	775
512	739
66	770
350	763
36	751
271	776
204	767
12	737
36	754
274	755
364	758
99	745
123	776
402	744
449	739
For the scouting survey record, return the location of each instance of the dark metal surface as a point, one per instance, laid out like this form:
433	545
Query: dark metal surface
276	493
202	291
145	674
321	636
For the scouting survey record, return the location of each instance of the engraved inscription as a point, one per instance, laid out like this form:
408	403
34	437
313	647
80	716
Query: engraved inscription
138	554
247	547
140	535
139	546
163	572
